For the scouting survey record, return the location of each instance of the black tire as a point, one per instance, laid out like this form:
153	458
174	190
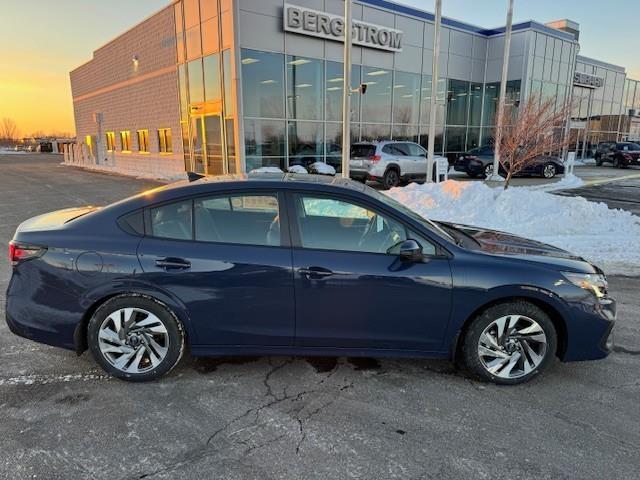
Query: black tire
616	163
470	341
391	178
599	162
174	329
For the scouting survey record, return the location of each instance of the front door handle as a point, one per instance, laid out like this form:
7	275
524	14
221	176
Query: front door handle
314	273
172	263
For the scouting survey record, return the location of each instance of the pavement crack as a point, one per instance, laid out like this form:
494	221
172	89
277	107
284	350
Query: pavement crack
628	351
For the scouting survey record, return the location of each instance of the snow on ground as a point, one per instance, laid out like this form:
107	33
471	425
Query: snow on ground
266	170
7	151
610	238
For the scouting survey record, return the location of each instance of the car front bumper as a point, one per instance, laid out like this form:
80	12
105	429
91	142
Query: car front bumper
590	327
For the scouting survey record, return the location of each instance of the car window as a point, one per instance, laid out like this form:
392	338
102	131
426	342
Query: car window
333	224
172	221
403	148
416	150
486	151
241	219
363	150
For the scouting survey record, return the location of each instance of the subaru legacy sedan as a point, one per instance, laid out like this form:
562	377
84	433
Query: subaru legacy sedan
279	264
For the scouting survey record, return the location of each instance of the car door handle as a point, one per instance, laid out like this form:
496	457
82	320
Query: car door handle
171	263
315	272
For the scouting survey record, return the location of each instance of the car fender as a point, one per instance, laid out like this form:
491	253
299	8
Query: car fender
464	311
97	295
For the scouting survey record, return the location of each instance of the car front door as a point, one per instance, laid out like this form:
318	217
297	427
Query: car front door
353	290
227	258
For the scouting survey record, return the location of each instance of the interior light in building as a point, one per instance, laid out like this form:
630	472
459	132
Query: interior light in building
370	83
249	61
304	85
399	86
333	89
335	80
408	95
300	61
377	73
267	82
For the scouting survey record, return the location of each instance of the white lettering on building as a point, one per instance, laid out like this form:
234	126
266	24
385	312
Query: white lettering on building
331	27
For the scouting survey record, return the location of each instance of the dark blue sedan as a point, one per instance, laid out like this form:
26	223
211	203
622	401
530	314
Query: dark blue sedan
297	265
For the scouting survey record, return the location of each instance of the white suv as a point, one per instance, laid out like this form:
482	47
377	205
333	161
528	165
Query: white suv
391	162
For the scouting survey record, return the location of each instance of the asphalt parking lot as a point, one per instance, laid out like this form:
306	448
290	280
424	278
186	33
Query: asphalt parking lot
299	418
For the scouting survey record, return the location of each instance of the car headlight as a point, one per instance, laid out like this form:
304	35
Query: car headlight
594	282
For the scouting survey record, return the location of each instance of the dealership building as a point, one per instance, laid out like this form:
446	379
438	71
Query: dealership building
227	86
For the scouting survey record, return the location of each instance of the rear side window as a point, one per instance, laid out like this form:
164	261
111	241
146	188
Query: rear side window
416	150
363	150
172	221
239	219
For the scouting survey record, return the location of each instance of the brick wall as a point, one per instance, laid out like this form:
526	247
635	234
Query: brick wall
133	95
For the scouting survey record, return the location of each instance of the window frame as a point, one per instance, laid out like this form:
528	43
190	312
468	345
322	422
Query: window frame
144	133
127	134
296	238
110	138
285	235
166	140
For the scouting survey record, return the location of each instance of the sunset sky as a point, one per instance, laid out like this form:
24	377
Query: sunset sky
46	39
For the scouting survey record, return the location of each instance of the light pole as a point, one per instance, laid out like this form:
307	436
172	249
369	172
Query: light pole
495	176
434	91
346	91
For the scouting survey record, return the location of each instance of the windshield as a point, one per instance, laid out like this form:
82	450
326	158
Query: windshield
428	224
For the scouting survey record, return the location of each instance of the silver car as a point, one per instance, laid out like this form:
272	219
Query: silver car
391	162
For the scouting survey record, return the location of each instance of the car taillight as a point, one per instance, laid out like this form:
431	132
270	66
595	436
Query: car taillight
375	158
19	252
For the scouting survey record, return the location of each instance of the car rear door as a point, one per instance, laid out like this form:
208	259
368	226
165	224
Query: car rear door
227	258
350	292
418	157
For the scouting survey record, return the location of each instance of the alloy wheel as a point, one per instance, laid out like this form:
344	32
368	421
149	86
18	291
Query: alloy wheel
512	346
392	179
549	171
133	340
488	170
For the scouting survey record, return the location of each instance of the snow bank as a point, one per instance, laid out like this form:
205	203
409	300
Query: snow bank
322	168
266	170
610	238
297	169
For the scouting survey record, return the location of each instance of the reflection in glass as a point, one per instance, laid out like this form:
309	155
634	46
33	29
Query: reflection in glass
473	138
457	101
305	85
210	40
376	104
212	82
475	109
333	142
455	139
424	138
196	86
193	42
305	143
426	100
375	132
406	98
334	82
191	13
264	137
405	132
263	84
182	86
213	132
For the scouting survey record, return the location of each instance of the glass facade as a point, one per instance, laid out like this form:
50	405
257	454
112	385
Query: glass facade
206	91
293	106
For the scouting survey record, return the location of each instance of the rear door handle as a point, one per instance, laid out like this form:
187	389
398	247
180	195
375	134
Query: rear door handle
172	263
315	272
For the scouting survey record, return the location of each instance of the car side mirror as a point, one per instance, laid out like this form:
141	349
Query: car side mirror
410	250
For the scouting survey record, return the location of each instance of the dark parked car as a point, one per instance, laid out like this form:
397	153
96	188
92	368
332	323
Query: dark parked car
479	163
278	264
602	149
621	155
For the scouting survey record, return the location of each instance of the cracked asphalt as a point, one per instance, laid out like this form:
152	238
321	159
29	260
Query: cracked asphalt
294	418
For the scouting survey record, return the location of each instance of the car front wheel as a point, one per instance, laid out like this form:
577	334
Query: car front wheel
135	338
509	343
549	170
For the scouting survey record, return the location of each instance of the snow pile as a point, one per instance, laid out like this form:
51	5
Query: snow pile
266	170
297	169
610	238
7	151
322	168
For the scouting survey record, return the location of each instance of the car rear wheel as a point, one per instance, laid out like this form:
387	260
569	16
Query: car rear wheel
391	178
135	338
549	170
509	343
616	163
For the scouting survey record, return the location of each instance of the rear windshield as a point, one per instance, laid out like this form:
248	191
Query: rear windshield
363	150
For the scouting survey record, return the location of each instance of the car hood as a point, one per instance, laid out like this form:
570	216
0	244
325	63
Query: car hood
504	244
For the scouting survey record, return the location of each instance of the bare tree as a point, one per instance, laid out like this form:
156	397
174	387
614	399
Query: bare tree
533	130
8	131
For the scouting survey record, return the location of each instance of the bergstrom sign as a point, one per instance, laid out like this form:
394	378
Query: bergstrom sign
331	27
